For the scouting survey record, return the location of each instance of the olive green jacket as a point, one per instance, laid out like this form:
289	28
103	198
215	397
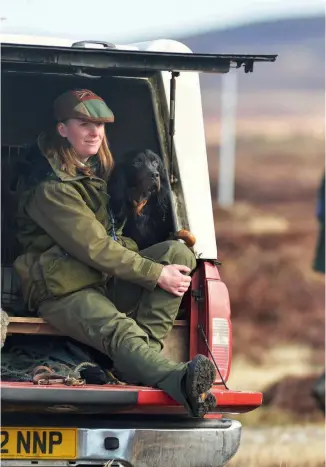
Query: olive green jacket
65	231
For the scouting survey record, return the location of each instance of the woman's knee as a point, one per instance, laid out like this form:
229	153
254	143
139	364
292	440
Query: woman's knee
181	254
171	252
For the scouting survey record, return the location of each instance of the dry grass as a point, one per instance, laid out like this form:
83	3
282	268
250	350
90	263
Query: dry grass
276	299
274	364
290	455
290	368
280	447
272	416
274	128
275	171
267	241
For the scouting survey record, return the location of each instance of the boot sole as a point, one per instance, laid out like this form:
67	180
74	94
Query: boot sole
206	406
200	380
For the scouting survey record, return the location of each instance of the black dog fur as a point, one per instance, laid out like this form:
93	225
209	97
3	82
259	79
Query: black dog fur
137	176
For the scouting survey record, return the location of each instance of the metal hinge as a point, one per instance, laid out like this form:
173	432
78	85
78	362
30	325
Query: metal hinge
216	262
198	295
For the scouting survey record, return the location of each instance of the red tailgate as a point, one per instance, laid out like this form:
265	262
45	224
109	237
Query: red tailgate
26	397
228	401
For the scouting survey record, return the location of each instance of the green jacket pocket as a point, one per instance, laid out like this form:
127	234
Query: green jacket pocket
64	274
53	274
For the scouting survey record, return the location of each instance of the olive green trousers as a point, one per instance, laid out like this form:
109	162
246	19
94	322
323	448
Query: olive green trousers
128	323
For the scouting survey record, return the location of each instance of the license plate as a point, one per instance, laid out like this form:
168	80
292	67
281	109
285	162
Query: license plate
38	443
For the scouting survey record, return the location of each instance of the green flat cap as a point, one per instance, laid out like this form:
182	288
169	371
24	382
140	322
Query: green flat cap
83	104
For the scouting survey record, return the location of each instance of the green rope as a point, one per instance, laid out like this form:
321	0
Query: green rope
18	362
19	366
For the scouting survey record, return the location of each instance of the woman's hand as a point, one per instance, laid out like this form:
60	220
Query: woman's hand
172	280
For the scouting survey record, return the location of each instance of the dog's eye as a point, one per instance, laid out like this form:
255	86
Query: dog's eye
137	163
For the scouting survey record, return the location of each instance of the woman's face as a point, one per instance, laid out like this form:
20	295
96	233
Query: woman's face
84	136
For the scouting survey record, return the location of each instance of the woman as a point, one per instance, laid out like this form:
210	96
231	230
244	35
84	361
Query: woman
94	288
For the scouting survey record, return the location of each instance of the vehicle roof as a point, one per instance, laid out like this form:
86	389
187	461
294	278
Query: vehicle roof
167	45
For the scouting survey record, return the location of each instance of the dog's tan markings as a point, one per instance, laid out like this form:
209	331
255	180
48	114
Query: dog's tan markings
139	206
186	236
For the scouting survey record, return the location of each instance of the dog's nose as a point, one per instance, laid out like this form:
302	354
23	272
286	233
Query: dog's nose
156	174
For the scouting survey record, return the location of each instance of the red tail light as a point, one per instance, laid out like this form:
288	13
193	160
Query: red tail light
211	313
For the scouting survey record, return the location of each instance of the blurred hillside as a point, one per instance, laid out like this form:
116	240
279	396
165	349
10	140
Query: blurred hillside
267	239
279	99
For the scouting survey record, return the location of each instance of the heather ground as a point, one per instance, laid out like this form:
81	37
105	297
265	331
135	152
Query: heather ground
266	243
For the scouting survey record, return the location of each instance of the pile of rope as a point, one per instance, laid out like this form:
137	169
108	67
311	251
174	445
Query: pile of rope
22	364
48	360
41	372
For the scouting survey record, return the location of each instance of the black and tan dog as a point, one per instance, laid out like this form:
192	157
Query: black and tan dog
139	192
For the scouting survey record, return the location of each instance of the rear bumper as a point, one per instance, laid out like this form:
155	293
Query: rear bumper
207	444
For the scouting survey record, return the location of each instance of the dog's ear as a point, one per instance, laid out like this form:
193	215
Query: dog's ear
117	189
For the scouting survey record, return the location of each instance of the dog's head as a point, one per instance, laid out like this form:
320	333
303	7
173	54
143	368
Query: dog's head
138	177
143	172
